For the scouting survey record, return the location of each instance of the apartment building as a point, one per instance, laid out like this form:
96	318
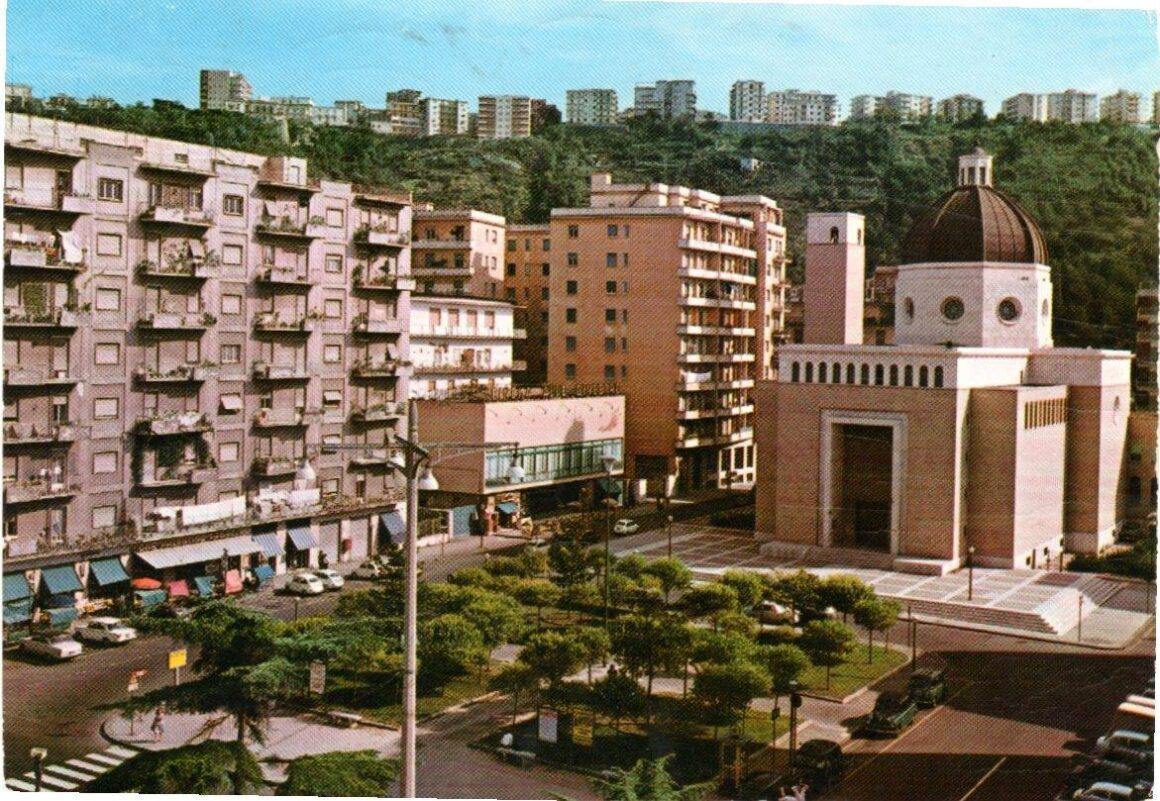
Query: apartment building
668	99
17	93
1072	106
203	354
461	341
527	273
675	294
908	106
747	101
1026	106
1123	107
458	251
864	106
591	107
541	114
793	107
504	117
402	114
957	108
299	109
443	117
224	90
1144	388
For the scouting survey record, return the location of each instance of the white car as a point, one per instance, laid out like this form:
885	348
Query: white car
1124	740
59	646
305	584
626	526
774	613
369	570
331	579
107	629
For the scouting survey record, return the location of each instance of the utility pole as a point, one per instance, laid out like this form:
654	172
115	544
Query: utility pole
410	602
795	700
669	530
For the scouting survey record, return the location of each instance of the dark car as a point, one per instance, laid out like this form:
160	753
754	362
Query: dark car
1138	777
892	713
820	762
928	687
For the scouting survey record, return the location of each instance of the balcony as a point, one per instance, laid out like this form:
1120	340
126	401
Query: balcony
22	317
441	244
56	150
439	268
270	466
716	330
184	169
181	267
464	332
176	215
38	490
691	382
378	196
174	424
710	246
698	440
377	412
280	418
451	367
15	377
32	256
48	201
179	475
288	228
307	188
376	368
376	457
279	372
274	323
710	358
714	411
172	321
381	281
284	276
178	375
366	327
381	237
47	434
716	275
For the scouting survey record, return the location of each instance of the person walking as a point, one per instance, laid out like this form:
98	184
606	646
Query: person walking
158	727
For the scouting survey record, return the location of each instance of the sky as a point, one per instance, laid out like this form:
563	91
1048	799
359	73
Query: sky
137	50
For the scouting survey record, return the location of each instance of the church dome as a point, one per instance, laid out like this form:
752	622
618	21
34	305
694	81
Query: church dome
974	222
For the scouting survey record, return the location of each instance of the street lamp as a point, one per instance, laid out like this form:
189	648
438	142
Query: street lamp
609	468
38	756
971	573
669	533
795	700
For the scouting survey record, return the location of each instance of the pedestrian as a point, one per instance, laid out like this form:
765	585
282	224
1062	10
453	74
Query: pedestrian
158	727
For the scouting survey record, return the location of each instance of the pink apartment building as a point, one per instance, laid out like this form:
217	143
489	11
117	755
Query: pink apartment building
190	335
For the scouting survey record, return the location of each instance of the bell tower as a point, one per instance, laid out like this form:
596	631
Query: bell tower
975	168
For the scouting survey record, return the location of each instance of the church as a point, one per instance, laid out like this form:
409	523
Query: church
971	436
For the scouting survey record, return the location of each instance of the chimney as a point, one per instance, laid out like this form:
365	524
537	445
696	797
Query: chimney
835	278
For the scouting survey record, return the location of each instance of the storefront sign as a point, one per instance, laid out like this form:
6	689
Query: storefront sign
549	725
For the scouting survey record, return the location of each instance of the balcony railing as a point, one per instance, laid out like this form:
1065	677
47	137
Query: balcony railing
179	374
34	490
697	439
312	228
464	332
177	475
376	368
380	280
274	465
368	327
174	423
279	372
47	434
379	237
40	257
173	321
461	366
377	412
284	276
376	457
441	268
278	324
49	200
176	215
24	317
27	377
377	195
180	267
279	418
716	357
441	244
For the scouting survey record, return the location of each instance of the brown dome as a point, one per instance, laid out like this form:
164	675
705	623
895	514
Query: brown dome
974	223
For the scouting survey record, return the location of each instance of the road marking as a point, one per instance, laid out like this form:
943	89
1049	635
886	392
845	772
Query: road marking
87	766
20	784
45	778
986	776
107	760
117	750
70	773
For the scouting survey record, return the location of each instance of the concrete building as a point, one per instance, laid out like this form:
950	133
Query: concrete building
543	114
864	106
17	93
460	341
1144	387
878	306
224	90
960	107
333	116
1027	107
504	117
591	107
971	432
443	117
908	106
527	276
791	107
1156	108
458	252
747	101
667	99
402	114
299	109
1123	107
1072	106
194	341
676	295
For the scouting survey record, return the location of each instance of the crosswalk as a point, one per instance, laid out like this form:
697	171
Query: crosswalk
74	774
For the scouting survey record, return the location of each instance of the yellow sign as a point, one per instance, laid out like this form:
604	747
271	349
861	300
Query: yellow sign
176	659
582	733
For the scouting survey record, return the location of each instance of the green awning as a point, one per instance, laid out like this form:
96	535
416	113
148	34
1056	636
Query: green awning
61	617
61	579
18	611
204	586
108	571
16	587
150	598
507	507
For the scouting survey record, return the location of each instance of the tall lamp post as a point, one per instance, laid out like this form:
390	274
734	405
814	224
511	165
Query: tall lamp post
38	756
669	533
971	573
609	468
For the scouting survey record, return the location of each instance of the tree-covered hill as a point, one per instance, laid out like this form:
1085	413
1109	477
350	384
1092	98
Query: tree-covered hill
1092	188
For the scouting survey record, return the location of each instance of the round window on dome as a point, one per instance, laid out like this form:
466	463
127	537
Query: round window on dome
952	309
1009	310
908	309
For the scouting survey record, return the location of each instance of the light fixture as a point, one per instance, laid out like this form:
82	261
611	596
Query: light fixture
305	472
427	480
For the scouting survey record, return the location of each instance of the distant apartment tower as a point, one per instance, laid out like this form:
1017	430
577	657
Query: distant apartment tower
668	99
960	107
1026	106
864	106
1072	106
1122	107
402	114
17	92
504	117
299	109
527	274
747	101
792	107
443	117
908	106
458	251
591	107
224	90
542	114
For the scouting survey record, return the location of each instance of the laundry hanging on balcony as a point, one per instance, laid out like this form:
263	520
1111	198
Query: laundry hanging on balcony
70	250
690	376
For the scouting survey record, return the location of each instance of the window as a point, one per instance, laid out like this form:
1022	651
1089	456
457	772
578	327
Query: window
952	309
510	293
624	316
104	516
111	189
231	304
570	315
569	371
612	231
624	259
330	486
543	293
544	317
570	344
610	344
106	408
231	403
908	309
894	375
609	259
332	309
231	354
610	315
108	299
13	176
573	231
864	374
573	259
610	287
849	374
229	452
938	377
546	245
1009	310
822	373
333	263
511	245
511	268
923	376
609	372
571	287
334	218
834	235
879	374
105	462
332	399
546	269
107	353
795	372
332	354
908	376
233	205
108	244
232	255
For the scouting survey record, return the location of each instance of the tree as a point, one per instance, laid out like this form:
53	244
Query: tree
340	773
737	623
800	589
537	593
785	663
448	646
875	614
618	696
749	586
672	574
499	618
517	680
570	563
552	655
726	690
826	642
646	644
470	577
596	645
843	592
647	780
632	566
212	767
708	600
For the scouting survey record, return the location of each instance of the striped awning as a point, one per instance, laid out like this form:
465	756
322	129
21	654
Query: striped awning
204	586
198	552
17	611
302	536
269	543
392	523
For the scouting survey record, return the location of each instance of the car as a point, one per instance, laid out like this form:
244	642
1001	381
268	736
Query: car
59	646
305	584
331	579
626	526
773	613
1125	742
369	571
766	785
892	713
1138	777
1108	791
928	687
820	762
106	630
171	610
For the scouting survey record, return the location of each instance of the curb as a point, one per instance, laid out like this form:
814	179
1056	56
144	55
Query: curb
1026	635
866	687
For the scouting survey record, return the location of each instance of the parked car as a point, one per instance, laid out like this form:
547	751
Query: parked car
59	646
1125	742
773	613
106	630
1109	791
626	526
892	713
928	687
369	571
305	584
766	785
820	762
168	609
1138	777
331	579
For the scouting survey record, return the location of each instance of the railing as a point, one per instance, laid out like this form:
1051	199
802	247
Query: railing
464	332
183	372
41	256
178	474
275	465
382	237
47	318
41	199
312	228
370	368
38	490
18	434
176	215
179	267
441	244
377	194
170	321
363	325
378	412
376	456
512	394
25	377
168	423
271	418
379	279
267	321
276	372
270	274
461	366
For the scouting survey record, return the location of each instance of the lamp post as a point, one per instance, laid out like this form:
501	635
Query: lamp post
971	573
669	533
38	756
609	467
795	700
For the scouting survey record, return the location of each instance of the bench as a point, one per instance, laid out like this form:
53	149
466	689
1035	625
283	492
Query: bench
525	759
347	720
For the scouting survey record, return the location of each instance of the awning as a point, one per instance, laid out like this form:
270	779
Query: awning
204	586
60	601
392	523
61	617
302	537
16	587
196	248
269	543
392	351
233	581
178	589
145	583
150	598
231	403
107	571
18	611
263	573
507	507
610	486
332	396
61	579
271	208
198	552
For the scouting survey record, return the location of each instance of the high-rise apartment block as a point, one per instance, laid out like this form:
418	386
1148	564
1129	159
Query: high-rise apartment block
204	360
527	273
1122	107
1144	385
17	93
298	109
908	106
458	252
864	106
675	294
747	101
224	90
460	341
792	107
1026	106
960	107
1072	106
443	117
504	117
591	107
668	99
402	114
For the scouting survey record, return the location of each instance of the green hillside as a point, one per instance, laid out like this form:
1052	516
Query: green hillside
1092	187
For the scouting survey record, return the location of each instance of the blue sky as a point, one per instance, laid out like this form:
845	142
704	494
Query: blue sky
358	49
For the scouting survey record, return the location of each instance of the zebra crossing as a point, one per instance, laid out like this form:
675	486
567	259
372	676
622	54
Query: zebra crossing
74	774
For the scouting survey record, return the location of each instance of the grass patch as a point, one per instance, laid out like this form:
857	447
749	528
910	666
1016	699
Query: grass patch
855	672
362	694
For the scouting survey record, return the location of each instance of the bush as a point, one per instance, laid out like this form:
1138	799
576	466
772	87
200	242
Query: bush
779	635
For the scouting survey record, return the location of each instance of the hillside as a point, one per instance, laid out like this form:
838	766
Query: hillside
1092	188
